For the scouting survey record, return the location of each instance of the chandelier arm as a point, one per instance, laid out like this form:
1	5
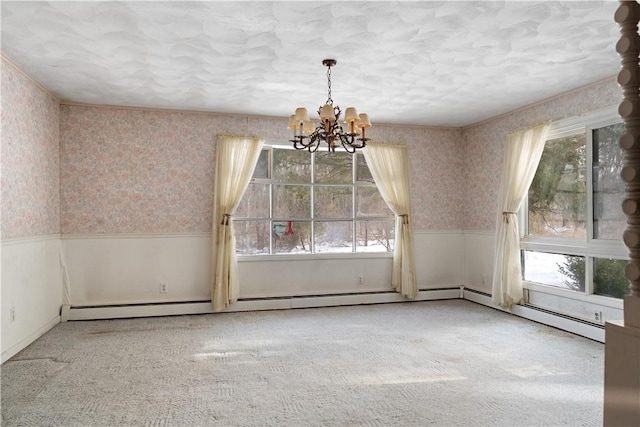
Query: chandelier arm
351	140
348	147
362	143
314	142
299	143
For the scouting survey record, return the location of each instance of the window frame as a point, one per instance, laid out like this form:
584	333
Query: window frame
354	184
589	247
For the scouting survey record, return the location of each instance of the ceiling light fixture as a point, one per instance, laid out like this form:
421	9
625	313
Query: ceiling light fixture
307	136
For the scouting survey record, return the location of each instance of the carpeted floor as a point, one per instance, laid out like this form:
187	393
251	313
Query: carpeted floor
443	363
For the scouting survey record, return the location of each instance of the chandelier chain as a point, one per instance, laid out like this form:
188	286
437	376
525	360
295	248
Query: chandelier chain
329	100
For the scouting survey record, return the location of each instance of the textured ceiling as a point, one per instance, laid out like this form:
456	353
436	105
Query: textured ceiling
430	63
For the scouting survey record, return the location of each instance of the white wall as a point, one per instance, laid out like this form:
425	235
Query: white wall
31	289
128	269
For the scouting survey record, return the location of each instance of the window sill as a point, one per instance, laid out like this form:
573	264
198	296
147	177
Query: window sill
315	257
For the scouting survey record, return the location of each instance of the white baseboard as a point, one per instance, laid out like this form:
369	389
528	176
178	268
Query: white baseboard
23	343
565	323
172	309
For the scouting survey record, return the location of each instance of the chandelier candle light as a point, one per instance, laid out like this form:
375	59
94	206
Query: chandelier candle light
307	135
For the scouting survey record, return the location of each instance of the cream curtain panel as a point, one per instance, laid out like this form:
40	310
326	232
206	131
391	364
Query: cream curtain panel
389	166
523	153
236	158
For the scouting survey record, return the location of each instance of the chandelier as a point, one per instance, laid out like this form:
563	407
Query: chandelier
306	135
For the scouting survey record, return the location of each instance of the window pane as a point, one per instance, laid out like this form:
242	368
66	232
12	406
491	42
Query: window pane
262	167
609	222
291	166
375	235
563	271
291	201
333	168
255	202
279	212
252	237
362	170
609	279
291	237
369	203
333	202
557	196
335	236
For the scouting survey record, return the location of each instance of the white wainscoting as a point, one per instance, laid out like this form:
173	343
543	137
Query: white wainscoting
478	260
439	258
125	273
32	290
128	269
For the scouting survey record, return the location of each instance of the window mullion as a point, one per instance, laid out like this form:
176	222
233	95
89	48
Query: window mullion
589	181
588	275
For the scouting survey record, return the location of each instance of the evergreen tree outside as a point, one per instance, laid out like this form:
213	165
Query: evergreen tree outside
608	278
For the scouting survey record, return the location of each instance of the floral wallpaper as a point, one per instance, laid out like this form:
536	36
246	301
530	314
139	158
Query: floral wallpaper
139	171
483	148
435	157
148	171
29	170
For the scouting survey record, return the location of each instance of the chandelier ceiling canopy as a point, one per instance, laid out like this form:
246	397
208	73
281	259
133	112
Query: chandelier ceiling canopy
306	135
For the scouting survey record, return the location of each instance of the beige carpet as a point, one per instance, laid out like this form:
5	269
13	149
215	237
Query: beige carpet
444	363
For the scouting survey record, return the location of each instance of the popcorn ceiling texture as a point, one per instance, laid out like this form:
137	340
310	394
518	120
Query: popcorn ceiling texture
429	63
30	159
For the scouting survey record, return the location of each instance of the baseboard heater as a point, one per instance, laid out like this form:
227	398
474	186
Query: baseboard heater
547	317
69	313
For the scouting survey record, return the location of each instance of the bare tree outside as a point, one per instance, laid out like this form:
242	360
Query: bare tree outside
300	202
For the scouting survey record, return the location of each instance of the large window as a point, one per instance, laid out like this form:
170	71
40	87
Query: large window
574	220
301	202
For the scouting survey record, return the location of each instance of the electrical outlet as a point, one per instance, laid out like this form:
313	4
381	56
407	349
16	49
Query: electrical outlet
12	314
598	316
360	281
163	288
